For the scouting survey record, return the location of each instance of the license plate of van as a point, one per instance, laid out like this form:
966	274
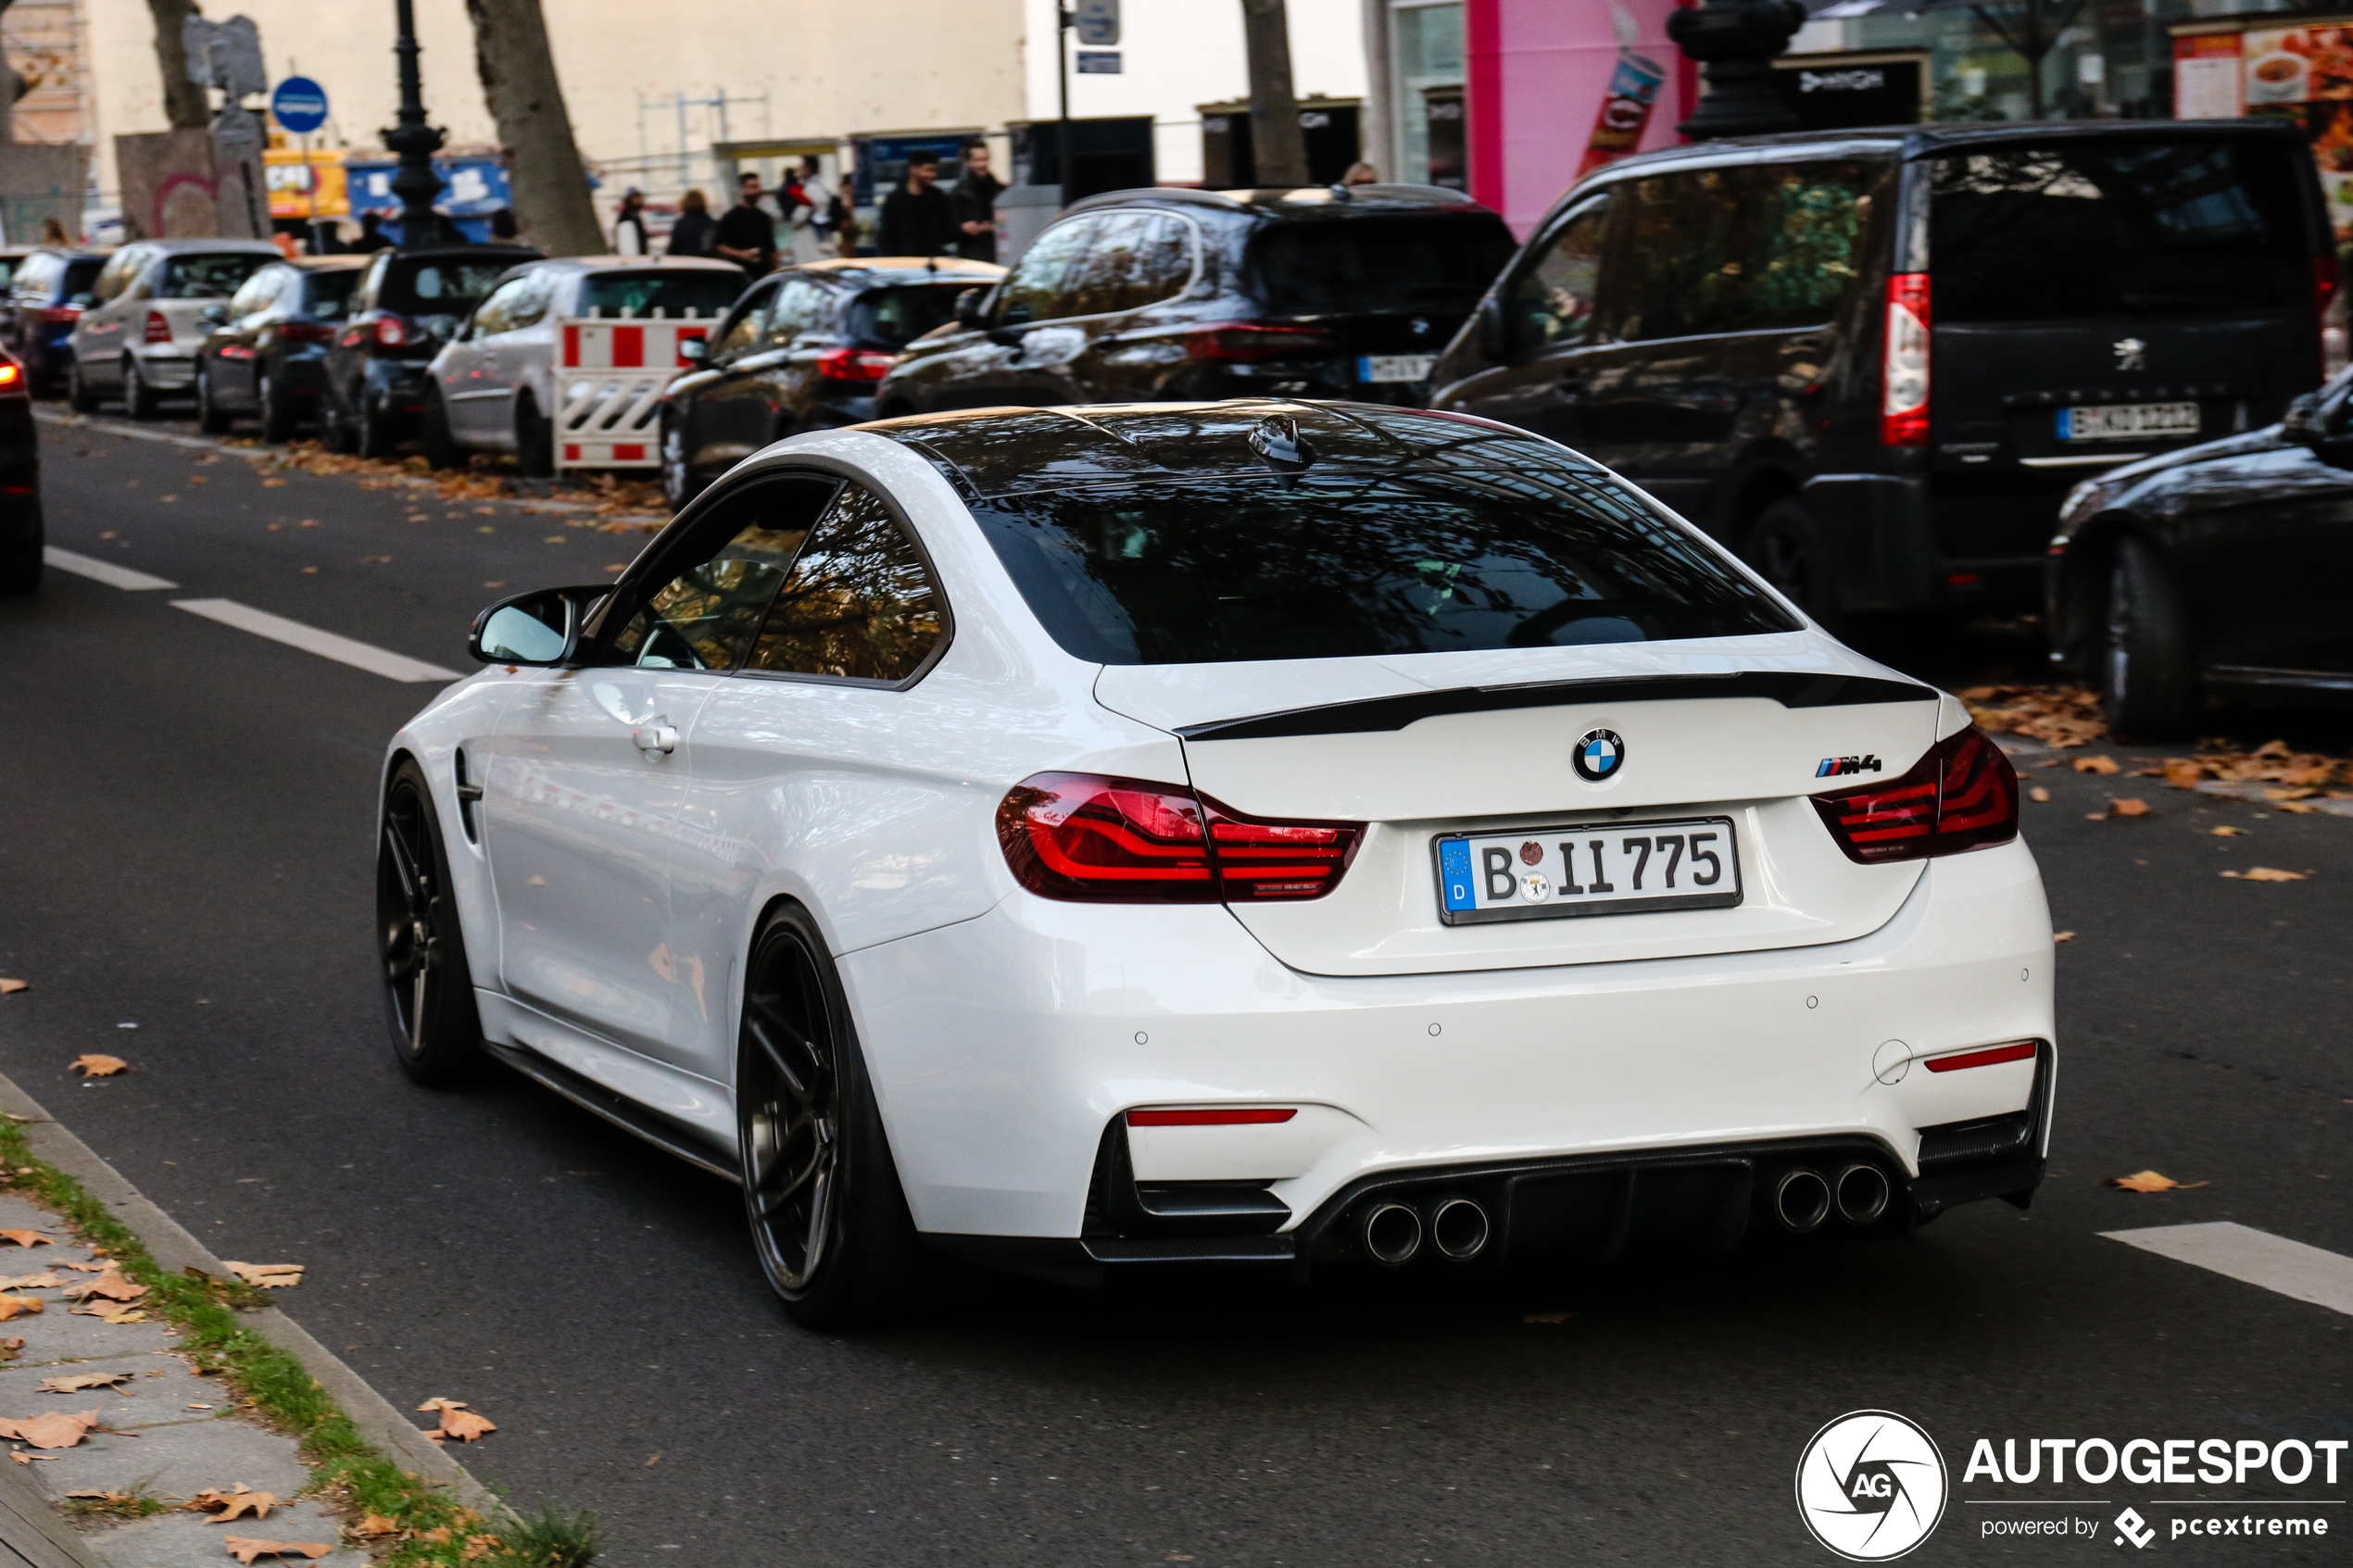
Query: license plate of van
1620	869
2123	422
1395	367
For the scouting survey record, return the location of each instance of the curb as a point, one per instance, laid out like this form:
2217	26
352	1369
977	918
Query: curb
174	1248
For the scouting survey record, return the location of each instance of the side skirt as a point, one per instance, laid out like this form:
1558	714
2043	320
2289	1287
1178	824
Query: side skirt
626	1114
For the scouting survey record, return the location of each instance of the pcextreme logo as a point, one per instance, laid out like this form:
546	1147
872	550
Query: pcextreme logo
1872	1485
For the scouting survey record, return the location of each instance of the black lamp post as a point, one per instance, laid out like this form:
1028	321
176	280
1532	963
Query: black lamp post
1732	40
416	184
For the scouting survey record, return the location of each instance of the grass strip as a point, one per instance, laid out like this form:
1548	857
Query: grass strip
411	1522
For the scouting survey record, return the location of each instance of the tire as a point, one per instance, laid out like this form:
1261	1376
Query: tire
211	419
829	1220
139	399
78	398
334	431
534	441
277	413
441	445
429	993
678	485
1786	549
2148	676
376	435
20	559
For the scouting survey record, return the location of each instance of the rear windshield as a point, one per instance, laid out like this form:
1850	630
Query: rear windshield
1368	264
673	294
79	276
439	288
210	277
2131	227
896	317
1331	566
328	295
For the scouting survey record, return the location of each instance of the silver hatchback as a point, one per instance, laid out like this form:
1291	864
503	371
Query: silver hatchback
138	339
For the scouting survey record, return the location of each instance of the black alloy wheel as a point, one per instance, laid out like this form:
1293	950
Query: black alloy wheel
139	399
211	419
2148	676
429	993
1785	551
441	443
378	434
276	410
829	1221
534	440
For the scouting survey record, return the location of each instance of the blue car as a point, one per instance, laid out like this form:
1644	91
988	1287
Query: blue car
46	298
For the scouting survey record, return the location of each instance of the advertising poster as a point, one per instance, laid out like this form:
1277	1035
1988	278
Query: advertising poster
2302	73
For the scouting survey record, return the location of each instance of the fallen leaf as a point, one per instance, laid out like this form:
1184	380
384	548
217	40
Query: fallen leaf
76	1382
2131	806
10	988
2062	936
274	1277
271	484
110	1311
2038	793
11	1347
2182	773
2227	832
2095	815
85	1268
438	1536
459	1422
2095	765
244	1549
45	1280
110	1284
553	539
226	1506
25	1238
2267	873
375	1525
2295	808
2149	1181
198	1407
53	1430
20	1307
652	1460
96	1066
478	1546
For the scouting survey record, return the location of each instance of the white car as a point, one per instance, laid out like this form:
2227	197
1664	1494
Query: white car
1084	839
137	339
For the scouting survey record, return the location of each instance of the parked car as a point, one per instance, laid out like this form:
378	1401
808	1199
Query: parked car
493	388
407	304
137	338
21	535
1163	294
1064	837
1873	362
12	257
267	353
47	293
803	350
2222	570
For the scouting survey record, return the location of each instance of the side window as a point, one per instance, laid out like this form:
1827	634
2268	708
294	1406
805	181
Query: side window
1810	219
117	274
496	313
860	603
1686	232
38	277
745	329
800	304
1554	303
257	291
1138	257
1040	283
705	616
371	283
533	292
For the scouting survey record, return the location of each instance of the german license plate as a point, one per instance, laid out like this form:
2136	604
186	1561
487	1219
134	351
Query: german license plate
1395	366
1620	869
2123	422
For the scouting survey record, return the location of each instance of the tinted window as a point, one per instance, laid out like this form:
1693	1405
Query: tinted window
498	312
681	293
705	616
893	317
860	603
439	287
1377	263
2131	227
328	295
801	305
741	333
209	277
1039	284
1336	565
115	275
260	290
1555	301
1740	249
1136	259
81	277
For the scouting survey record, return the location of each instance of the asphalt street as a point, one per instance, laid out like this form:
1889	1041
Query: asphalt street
186	846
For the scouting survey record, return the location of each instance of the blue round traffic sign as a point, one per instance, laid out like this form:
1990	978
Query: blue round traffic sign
299	104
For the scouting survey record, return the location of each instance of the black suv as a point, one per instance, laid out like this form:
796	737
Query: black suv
1340	292
1875	361
407	304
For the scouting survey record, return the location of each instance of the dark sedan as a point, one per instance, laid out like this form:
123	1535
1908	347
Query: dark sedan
408	304
46	293
803	349
2216	571
267	353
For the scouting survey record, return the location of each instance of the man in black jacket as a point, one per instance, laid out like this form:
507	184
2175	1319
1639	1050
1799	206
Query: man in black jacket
976	201
917	217
746	234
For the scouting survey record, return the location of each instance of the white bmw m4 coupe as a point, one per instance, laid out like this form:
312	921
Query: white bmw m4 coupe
1078	839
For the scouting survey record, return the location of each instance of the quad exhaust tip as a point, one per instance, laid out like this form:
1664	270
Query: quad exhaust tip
1862	1194
1802	1200
1391	1234
1458	1227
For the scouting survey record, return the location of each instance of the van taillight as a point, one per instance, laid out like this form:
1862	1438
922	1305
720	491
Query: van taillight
1090	839
2328	277
158	330
1903	410
1962	796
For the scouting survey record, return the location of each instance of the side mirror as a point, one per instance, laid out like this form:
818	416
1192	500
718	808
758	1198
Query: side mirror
2302	420
970	308
693	350
1490	328
541	628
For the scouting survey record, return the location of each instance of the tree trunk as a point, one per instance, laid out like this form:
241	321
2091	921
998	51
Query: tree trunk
1279	146
534	130
184	103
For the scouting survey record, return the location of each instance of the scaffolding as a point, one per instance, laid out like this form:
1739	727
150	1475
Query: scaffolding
44	40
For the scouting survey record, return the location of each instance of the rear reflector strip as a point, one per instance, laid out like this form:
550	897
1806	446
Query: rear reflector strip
2019	1051
1206	1117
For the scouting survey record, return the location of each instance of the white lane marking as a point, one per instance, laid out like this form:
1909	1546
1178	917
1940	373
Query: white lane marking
309	639
2308	1273
98	570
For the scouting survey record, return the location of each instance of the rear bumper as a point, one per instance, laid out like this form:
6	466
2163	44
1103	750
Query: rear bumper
1006	1048
165	367
1902	542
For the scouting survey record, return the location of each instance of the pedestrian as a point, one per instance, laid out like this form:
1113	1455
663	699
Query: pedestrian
747	235
976	201
53	233
371	235
504	229
842	219
815	221
916	217
692	234
1361	173
629	237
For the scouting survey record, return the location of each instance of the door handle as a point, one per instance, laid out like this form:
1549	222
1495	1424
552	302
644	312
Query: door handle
655	735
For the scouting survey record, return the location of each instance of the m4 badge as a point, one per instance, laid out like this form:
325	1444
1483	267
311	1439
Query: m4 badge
1834	766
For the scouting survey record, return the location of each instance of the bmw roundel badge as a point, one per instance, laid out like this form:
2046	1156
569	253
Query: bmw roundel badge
1598	756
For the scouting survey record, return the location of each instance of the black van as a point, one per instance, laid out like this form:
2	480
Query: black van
1875	361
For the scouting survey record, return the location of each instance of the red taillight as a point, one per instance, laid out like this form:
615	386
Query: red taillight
1903	409
854	364
306	332
2327	278
158	330
1963	795
1089	839
11	373
392	331
2017	1050
1207	1118
61	315
1250	340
